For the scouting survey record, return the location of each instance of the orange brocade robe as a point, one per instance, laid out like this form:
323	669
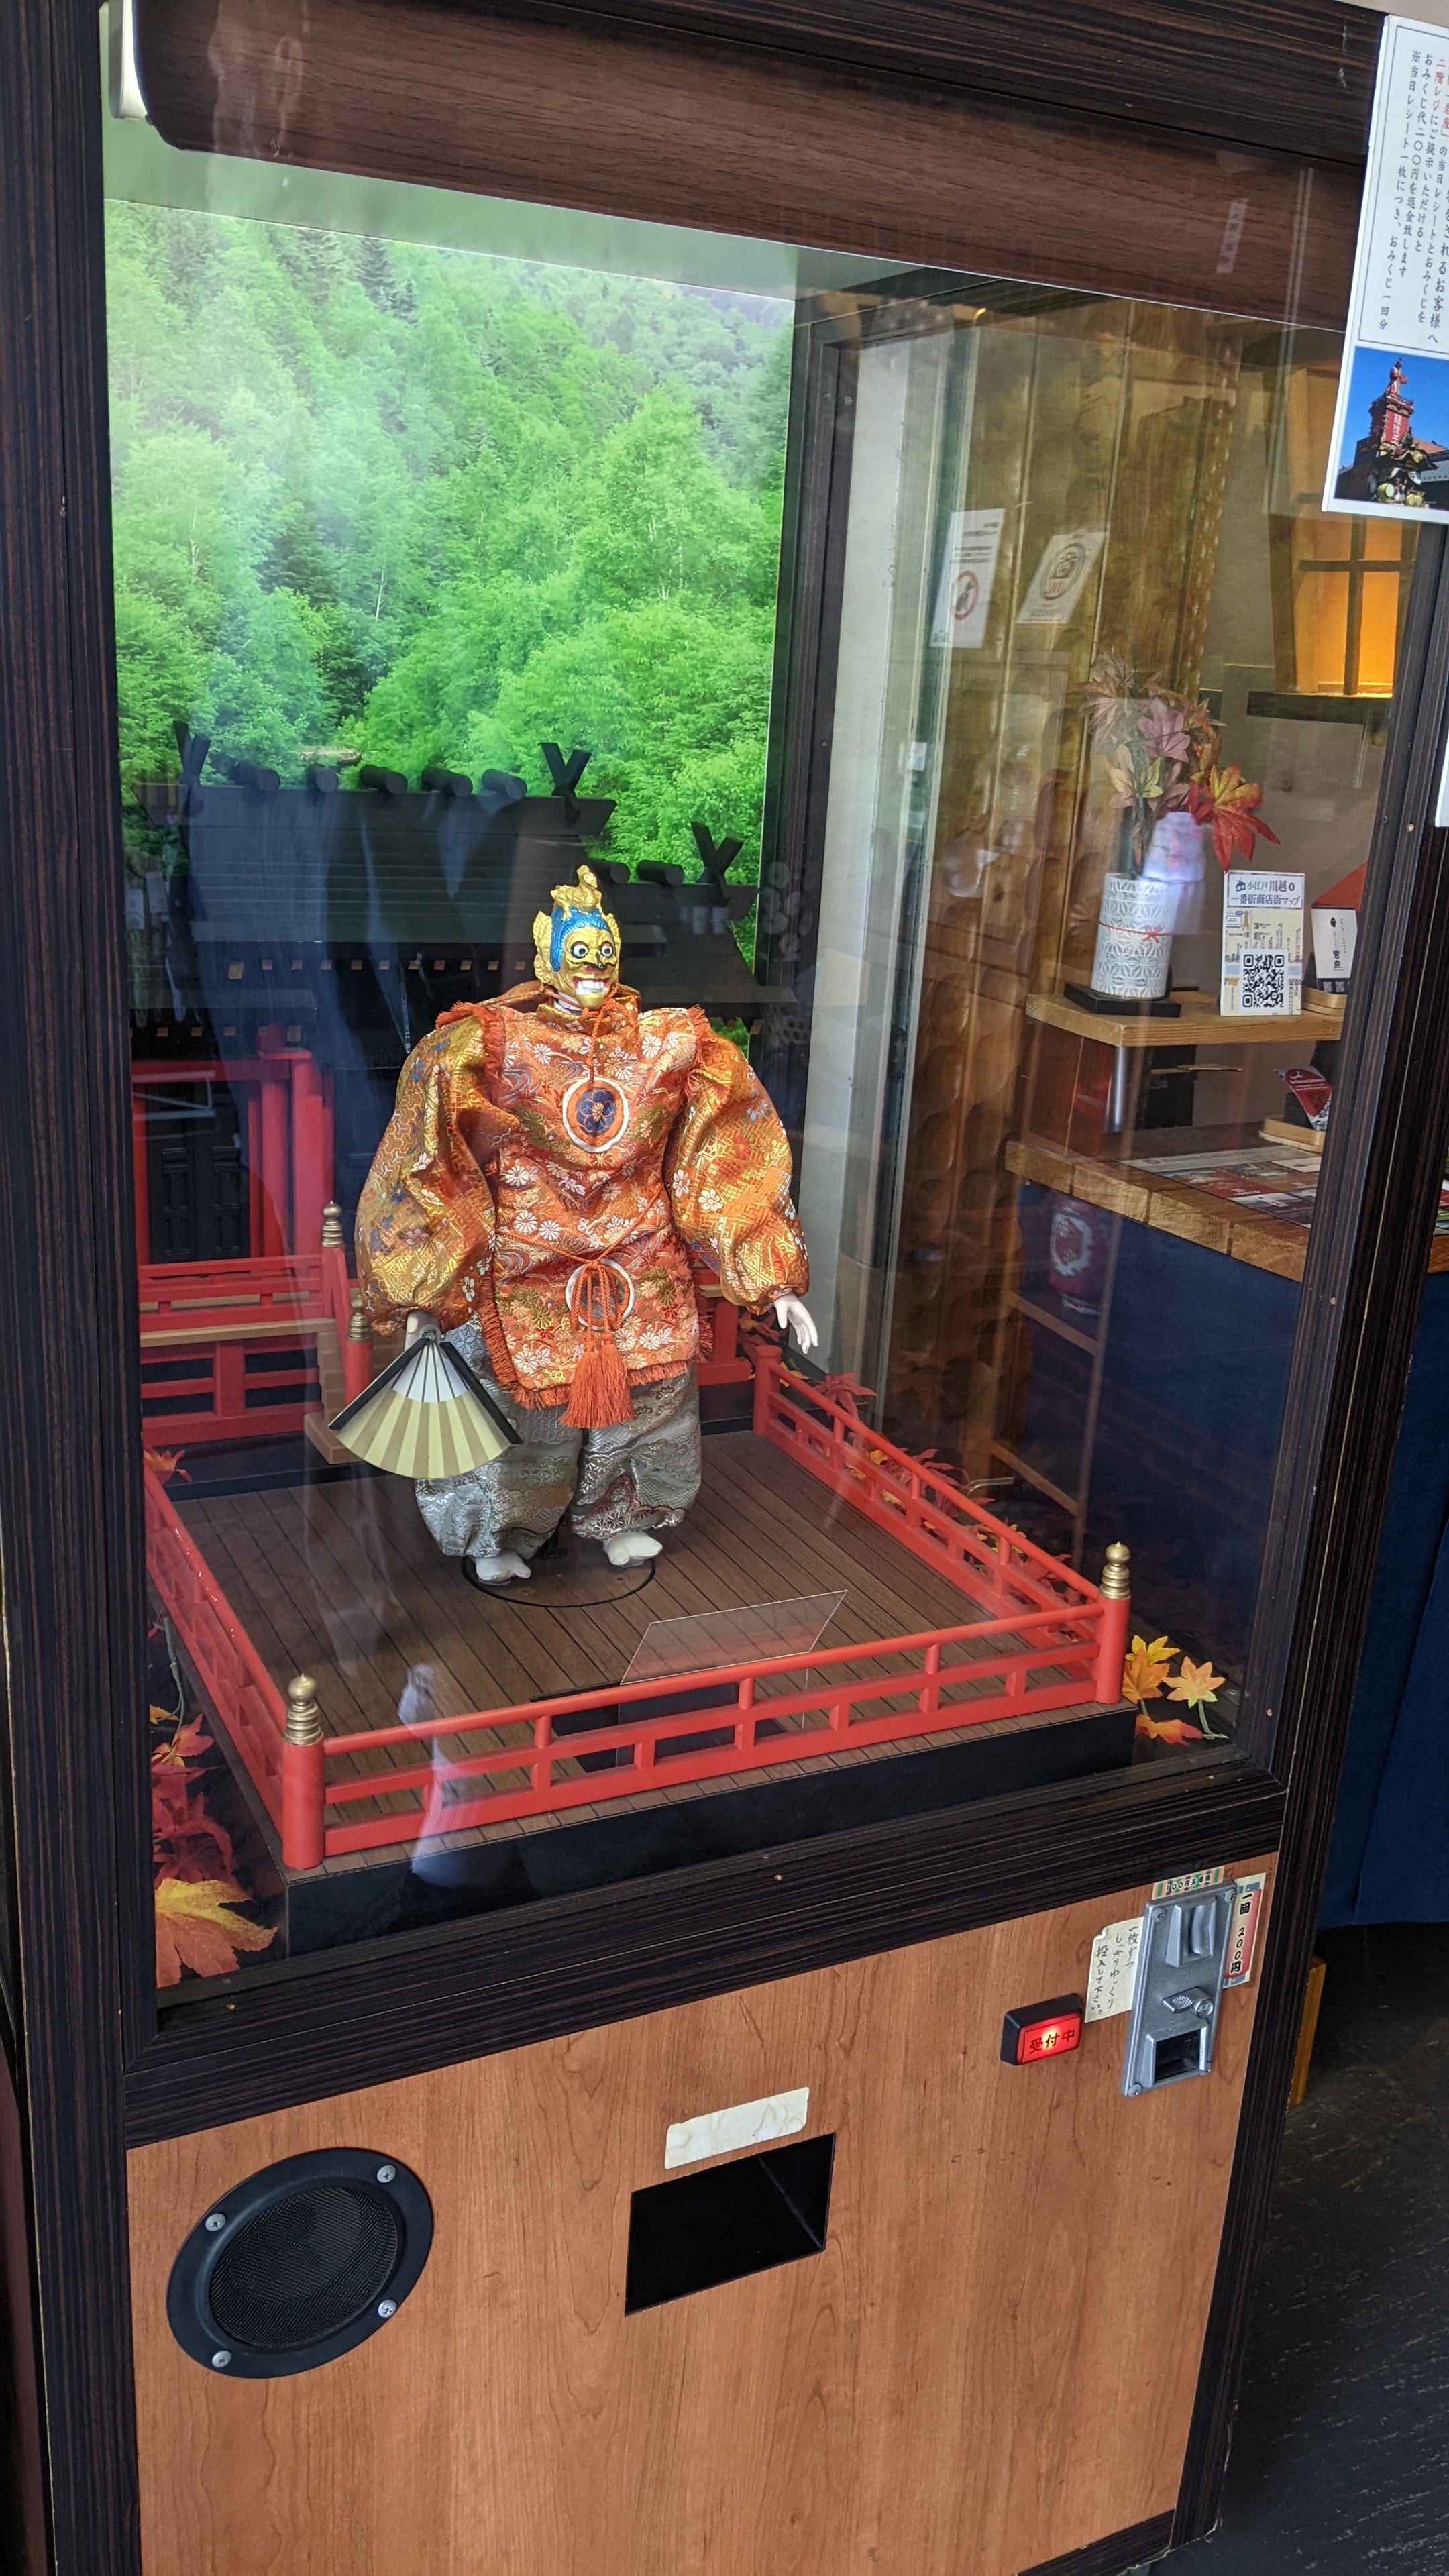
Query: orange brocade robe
481	1203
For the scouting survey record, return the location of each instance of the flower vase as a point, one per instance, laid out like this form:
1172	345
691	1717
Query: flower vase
1133	954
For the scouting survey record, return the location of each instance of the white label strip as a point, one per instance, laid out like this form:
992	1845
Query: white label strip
1113	1971
1243	1938
744	2124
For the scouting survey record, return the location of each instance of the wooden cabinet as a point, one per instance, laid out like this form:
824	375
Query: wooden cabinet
1013	2291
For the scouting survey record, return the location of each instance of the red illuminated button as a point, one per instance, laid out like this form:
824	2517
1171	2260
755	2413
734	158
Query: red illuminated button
1035	2031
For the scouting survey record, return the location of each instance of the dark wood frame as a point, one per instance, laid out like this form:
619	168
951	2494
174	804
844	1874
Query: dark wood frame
884	162
95	2066
1312	58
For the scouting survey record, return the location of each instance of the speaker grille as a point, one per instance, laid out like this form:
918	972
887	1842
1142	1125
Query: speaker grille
305	2268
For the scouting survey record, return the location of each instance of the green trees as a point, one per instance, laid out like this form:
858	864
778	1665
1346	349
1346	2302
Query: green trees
433	507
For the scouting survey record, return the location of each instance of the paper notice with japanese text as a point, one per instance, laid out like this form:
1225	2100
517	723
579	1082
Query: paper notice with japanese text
1389	456
1113	1972
1243	1938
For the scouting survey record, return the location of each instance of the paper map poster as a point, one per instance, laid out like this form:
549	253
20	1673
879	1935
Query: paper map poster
963	601
1389	456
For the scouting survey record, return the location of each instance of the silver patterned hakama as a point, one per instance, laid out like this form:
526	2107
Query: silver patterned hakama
642	1474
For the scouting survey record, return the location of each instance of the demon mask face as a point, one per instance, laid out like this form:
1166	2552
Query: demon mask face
576	946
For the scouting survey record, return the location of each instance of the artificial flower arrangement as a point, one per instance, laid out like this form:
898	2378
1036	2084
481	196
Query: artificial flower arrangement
1163	754
1196	1686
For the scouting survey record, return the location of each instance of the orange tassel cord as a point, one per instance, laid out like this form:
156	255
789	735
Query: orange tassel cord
599	1298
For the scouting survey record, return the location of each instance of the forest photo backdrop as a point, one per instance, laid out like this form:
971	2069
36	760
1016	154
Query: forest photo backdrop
421	505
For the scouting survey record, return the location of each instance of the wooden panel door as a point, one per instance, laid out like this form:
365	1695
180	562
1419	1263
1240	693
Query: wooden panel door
991	2363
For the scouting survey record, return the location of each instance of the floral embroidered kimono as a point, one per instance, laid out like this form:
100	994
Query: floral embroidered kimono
541	1189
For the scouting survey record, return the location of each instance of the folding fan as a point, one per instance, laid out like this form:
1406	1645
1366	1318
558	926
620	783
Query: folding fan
425	1415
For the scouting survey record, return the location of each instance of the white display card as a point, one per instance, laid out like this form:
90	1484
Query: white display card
1389	455
1262	943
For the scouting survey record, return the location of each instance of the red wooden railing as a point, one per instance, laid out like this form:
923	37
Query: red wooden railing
203	1377
226	1663
1048	1640
919	1504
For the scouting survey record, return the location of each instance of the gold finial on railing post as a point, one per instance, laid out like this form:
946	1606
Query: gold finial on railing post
304	1721
358	1328
1116	1592
1116	1583
304	1778
333	1238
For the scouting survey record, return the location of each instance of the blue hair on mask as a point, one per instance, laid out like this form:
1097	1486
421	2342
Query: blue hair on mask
562	921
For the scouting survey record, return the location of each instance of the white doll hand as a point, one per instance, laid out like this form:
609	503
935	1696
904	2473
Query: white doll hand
791	1316
419	1321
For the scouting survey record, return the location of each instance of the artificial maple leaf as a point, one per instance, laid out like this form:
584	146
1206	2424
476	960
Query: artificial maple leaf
166	1463
1145	1669
1225	799
186	1745
196	1845
187	1841
1195	1683
170	1798
1166	1730
196	1929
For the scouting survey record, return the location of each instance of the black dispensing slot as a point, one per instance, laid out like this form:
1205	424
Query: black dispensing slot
707	2228
1182	2054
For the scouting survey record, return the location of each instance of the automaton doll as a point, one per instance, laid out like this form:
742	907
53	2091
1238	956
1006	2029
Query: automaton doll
559	1168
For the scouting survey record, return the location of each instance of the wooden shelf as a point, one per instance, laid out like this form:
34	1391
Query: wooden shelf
1194	1028
1170	1207
1174	1207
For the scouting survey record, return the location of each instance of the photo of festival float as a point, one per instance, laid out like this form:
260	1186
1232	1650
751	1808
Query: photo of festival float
1393	463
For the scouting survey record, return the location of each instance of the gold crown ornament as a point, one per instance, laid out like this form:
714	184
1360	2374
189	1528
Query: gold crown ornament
577	945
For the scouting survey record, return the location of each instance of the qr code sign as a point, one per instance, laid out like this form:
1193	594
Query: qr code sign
1263	979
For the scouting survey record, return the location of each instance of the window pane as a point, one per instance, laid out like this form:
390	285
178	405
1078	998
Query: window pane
587	850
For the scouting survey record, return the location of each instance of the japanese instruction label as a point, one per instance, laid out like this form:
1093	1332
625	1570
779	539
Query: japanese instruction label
1243	1938
1113	1972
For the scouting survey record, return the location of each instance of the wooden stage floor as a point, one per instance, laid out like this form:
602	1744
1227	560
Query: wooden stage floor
343	1581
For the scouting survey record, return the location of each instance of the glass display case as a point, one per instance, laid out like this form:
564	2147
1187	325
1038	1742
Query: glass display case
745	843
723	944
